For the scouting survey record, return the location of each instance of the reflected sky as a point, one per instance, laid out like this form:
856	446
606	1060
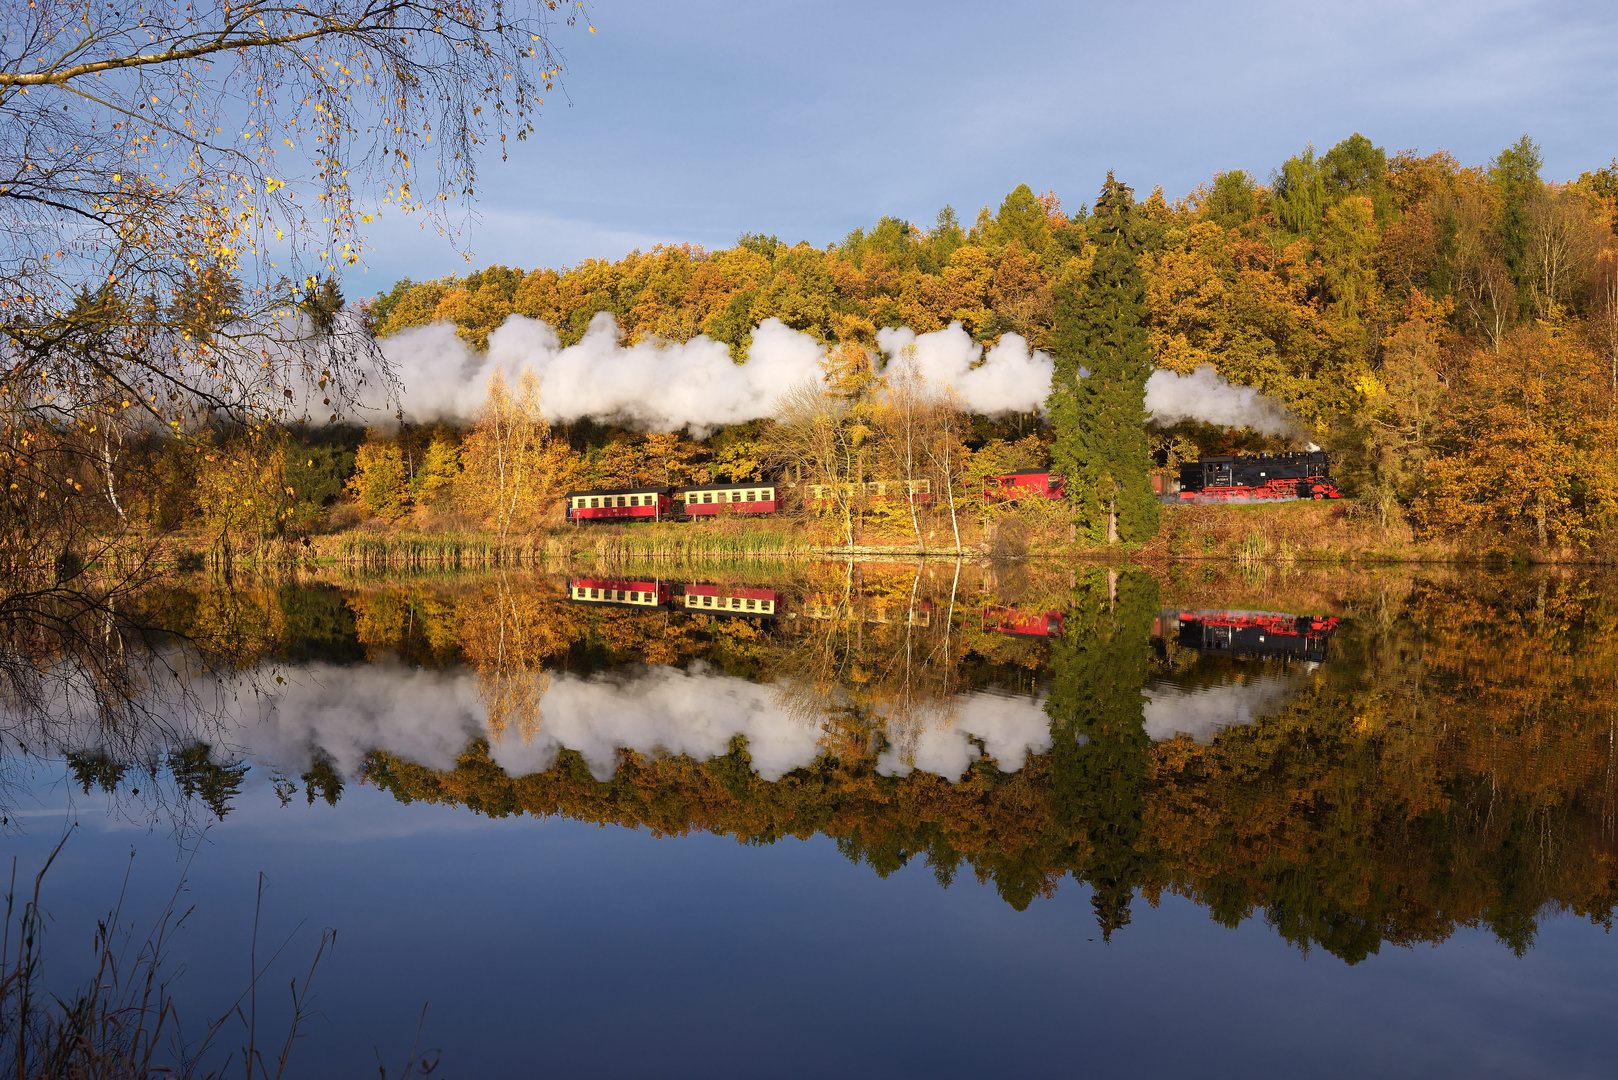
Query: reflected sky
557	947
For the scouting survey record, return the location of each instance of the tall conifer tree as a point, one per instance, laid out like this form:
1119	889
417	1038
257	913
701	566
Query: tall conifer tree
1100	418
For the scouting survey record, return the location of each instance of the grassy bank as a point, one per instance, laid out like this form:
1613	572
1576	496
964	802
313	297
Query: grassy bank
1259	534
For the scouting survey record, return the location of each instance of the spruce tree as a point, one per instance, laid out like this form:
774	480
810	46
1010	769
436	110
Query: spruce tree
1100	417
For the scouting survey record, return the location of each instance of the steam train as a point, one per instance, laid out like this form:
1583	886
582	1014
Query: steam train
1304	475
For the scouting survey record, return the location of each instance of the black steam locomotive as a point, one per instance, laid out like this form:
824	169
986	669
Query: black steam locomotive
1301	475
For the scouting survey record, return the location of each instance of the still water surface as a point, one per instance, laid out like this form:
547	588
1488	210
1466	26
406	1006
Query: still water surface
905	820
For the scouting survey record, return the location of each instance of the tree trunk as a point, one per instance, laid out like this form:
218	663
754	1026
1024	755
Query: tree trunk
112	491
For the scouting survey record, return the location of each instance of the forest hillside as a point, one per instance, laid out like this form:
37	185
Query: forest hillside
1448	332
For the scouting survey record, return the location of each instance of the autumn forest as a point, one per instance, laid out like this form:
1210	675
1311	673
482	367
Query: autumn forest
1449	332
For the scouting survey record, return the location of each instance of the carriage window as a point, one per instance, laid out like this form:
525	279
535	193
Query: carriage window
707	496
634	500
707	601
752	496
751	605
594	503
768	495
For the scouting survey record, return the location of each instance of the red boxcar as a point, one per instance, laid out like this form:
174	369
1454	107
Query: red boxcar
729	600
713	499
603	592
619	504
1010	620
1023	484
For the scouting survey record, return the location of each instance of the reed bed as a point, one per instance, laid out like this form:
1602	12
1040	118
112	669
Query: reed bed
601	546
680	543
447	550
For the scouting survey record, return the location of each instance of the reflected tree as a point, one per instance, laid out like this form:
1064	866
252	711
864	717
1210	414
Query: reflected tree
1099	763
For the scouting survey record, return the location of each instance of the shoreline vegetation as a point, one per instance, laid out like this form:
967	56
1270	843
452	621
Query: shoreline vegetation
1284	534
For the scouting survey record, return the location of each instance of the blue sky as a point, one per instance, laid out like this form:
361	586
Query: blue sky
700	120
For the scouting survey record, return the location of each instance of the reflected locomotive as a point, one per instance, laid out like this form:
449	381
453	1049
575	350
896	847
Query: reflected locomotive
1251	634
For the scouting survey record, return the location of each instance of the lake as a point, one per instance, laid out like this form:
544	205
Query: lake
870	819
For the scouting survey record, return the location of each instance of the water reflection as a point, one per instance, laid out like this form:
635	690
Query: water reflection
1354	760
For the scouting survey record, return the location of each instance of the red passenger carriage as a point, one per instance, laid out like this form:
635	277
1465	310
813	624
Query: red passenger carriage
825	496
731	600
619	504
712	499
612	592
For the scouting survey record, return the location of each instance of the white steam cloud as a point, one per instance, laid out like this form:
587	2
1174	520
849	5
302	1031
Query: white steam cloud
663	386
652	386
944	741
1205	395
1203	712
1009	378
